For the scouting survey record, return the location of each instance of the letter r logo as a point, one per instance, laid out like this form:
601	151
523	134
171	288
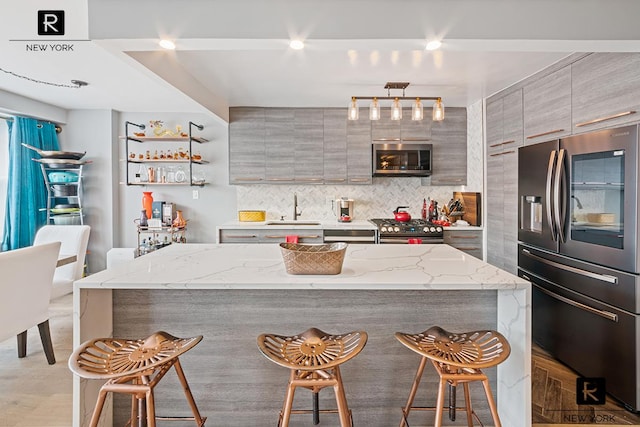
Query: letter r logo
590	391
51	22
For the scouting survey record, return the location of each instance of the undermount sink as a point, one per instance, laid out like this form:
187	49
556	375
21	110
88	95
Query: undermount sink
290	223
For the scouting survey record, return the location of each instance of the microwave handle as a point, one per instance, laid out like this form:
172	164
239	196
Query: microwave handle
559	196
548	203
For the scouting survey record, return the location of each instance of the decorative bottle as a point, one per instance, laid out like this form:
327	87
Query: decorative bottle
424	208
147	203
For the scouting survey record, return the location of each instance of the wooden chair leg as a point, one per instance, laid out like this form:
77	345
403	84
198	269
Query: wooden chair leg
414	389
187	391
151	408
22	344
341	400
492	403
288	400
45	337
467	404
440	401
95	417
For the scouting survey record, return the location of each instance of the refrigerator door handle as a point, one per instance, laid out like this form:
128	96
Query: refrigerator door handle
602	313
552	162
559	190
602	277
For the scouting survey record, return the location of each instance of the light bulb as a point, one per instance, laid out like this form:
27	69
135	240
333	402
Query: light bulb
396	110
374	110
438	111
416	110
167	44
353	113
296	44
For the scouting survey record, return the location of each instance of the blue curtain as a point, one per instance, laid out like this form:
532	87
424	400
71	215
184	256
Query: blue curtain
26	191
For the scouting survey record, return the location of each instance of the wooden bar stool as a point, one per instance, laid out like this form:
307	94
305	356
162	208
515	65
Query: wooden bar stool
458	359
313	357
135	367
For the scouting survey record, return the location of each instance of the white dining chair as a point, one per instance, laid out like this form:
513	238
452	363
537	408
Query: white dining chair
25	290
74	239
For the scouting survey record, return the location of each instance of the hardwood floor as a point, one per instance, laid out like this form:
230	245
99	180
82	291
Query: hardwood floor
36	394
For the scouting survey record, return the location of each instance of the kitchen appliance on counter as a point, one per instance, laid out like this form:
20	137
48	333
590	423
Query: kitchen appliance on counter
402	159
392	231
343	209
578	245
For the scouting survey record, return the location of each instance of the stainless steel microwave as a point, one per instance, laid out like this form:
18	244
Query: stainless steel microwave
402	159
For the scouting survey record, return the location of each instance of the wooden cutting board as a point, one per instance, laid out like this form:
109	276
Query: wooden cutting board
472	204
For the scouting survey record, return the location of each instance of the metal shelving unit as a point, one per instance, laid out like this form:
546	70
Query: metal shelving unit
67	192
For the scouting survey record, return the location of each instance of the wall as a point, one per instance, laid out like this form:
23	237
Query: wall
216	203
371	201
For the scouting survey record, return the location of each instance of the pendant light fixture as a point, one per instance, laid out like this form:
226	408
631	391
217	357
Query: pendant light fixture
353	109
396	110
374	110
417	113
417	109
438	110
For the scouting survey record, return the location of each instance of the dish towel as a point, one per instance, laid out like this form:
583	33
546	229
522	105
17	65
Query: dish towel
291	239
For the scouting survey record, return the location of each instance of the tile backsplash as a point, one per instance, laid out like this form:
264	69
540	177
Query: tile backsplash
377	200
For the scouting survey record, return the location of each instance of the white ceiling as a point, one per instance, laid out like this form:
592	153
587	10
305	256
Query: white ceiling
235	52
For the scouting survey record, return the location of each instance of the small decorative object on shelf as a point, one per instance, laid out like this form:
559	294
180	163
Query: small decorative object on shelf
143	218
179	154
147	202
179	222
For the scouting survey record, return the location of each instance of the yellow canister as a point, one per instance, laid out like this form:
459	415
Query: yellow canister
251	216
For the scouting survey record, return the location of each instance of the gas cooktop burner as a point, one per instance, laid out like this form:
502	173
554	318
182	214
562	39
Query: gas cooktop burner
412	228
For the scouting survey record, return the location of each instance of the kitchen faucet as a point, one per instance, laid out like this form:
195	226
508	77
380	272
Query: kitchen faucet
296	214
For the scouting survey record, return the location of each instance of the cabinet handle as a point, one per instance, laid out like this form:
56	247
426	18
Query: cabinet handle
359	179
279	179
335	180
501	154
545	133
446	179
511	141
239	236
499	144
308	179
466	249
464	237
309	237
602	119
248	179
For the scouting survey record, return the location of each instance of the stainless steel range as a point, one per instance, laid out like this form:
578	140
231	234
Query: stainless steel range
392	231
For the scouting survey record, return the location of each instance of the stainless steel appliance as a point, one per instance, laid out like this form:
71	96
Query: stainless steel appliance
392	231
402	159
578	245
343	209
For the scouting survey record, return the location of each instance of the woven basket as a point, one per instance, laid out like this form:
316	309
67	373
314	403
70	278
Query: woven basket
251	216
313	259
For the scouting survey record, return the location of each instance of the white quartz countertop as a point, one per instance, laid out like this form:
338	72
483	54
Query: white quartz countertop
325	225
250	266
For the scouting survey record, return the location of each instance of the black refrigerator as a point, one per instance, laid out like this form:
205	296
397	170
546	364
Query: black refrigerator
578	246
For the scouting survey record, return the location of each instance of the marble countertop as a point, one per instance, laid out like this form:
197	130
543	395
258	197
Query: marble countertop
250	266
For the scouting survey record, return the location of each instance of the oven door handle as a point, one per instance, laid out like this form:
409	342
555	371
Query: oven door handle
549	186
406	240
602	277
606	314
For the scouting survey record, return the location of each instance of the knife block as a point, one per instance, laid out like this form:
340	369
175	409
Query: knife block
472	204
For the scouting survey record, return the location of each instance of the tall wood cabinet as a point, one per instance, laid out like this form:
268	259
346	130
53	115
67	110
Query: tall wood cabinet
449	140
504	136
359	150
247	158
335	146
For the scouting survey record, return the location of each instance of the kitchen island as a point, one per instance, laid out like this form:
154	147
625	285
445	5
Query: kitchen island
232	293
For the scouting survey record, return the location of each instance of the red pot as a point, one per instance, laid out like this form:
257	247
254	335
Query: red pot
402	216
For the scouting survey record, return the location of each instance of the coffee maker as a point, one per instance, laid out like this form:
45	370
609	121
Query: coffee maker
343	209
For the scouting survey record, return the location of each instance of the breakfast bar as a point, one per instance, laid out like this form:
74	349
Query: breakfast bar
232	293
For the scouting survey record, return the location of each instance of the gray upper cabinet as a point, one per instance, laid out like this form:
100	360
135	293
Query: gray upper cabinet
359	150
309	145
406	129
605	90
449	140
335	146
494	126
384	129
246	145
279	140
547	107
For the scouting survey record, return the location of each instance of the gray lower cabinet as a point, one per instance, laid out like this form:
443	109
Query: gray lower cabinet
246	145
359	154
468	241
605	90
335	146
506	126
547	107
449	140
253	235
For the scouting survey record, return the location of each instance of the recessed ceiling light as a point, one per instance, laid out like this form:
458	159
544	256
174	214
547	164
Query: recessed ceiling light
167	44
433	45
296	44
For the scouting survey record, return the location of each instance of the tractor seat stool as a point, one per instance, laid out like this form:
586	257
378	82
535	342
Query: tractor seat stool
313	358
457	358
135	367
